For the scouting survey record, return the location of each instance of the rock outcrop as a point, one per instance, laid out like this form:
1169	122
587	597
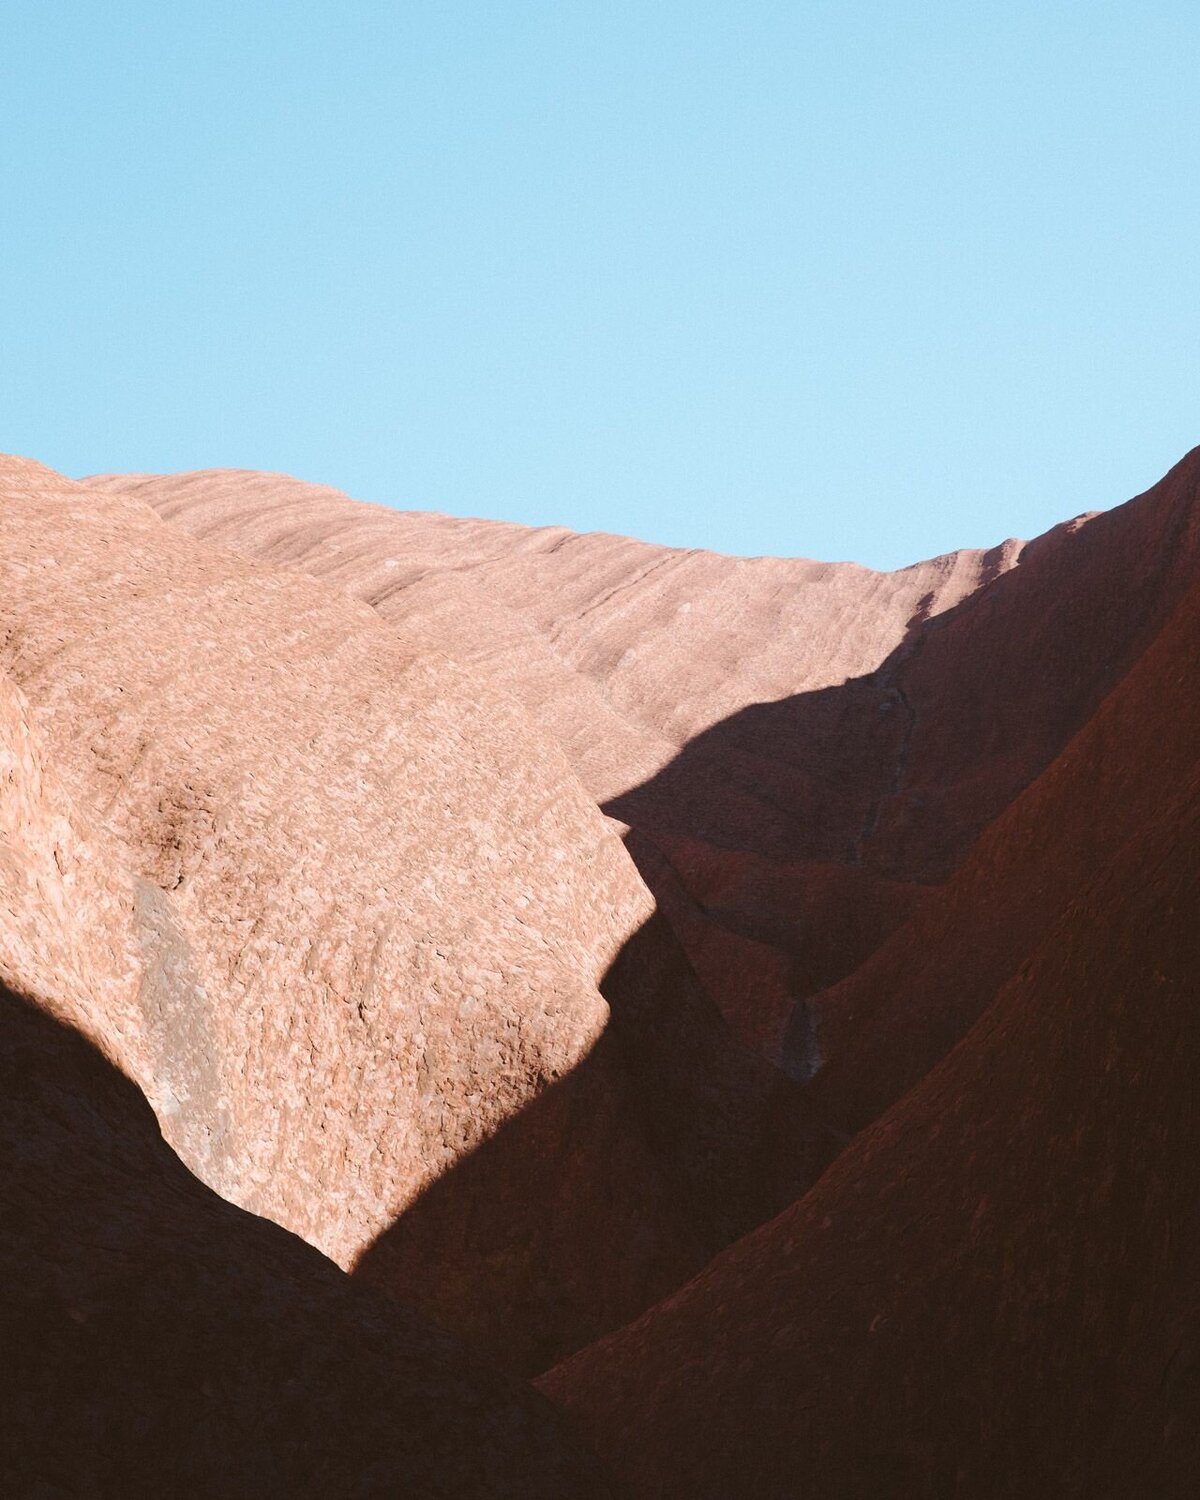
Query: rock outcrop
991	1291
673	683
157	1339
362	926
757	994
800	750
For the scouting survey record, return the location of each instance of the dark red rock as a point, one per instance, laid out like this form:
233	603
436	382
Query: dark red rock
325	877
991	1290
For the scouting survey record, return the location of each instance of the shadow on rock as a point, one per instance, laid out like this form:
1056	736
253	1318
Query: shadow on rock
614	1185
805	829
159	1341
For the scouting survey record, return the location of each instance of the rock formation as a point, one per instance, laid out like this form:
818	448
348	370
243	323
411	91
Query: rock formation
365	920
991	1291
157	1339
757	989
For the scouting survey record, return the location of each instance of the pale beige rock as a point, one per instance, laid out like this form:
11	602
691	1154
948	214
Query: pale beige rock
158	1340
624	653
368	907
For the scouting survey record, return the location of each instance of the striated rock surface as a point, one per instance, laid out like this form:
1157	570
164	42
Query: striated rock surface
368	915
823	1115
801	749
991	1291
157	1339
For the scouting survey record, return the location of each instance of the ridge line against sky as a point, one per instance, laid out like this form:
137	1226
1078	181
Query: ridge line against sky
864	281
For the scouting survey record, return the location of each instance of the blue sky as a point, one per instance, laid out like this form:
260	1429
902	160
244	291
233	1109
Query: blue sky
837	279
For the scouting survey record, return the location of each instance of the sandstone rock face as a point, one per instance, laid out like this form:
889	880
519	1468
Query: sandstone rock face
157	1339
992	1290
366	910
640	662
801	748
759	989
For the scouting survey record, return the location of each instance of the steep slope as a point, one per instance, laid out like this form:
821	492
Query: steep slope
389	907
879	1031
158	1340
801	749
624	654
991	1291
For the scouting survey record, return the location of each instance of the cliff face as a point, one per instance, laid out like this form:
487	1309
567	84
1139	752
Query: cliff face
159	1340
525	919
796	751
738	714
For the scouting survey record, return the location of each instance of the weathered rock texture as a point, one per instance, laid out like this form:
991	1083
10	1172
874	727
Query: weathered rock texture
801	749
363	912
367	910
640	662
890	926
992	1290
158	1340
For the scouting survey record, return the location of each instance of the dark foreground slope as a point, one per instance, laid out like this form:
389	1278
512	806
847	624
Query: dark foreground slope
991	1292
159	1341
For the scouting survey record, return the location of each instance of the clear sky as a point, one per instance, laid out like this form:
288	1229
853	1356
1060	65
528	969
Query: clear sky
865	280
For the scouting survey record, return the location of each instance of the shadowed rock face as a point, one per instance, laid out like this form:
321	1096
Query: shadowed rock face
992	1290
160	1341
303	842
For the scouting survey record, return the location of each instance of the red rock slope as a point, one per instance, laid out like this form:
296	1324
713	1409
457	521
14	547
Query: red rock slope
157	1340
927	838
360	912
991	1292
801	748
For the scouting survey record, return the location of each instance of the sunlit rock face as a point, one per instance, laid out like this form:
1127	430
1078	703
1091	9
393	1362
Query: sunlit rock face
801	750
753	991
354	910
158	1339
